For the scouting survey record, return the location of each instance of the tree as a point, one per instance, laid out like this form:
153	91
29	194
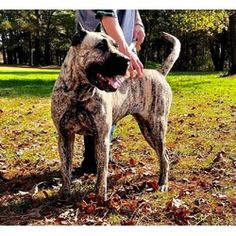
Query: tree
42	37
35	37
232	20
202	33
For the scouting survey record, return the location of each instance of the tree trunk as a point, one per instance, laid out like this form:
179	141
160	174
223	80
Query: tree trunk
10	57
223	43
218	50
193	47
4	55
47	53
47	48
4	50
30	50
37	54
215	56
232	27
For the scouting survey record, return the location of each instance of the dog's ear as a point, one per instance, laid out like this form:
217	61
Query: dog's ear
79	35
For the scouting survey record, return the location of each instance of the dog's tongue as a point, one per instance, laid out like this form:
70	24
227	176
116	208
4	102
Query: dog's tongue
114	82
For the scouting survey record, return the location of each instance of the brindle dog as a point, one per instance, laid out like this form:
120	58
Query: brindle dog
92	93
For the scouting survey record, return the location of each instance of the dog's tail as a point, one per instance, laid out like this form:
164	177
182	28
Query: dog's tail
171	59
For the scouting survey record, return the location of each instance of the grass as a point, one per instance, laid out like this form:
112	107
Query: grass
18	82
201	141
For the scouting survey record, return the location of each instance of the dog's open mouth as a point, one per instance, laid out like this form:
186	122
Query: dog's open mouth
108	75
108	83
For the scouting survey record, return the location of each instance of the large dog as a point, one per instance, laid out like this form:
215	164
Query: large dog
92	93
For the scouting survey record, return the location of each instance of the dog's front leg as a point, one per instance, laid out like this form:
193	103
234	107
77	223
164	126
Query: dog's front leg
102	147
66	145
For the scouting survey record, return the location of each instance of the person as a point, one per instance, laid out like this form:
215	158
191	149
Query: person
125	27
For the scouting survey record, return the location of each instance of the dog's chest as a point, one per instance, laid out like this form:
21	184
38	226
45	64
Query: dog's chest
84	117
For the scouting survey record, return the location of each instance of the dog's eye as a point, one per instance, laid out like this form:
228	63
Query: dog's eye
102	45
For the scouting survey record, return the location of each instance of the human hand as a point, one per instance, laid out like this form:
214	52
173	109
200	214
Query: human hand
135	66
113	29
139	35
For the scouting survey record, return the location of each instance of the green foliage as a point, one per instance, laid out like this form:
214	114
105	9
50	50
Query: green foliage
42	37
186	21
203	34
207	21
48	32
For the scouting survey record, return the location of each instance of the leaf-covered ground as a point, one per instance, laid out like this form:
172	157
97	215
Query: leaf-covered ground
201	143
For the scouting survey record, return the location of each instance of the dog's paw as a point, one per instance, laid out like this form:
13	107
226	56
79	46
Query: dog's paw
163	188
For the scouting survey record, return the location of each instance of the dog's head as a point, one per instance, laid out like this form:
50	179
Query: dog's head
100	59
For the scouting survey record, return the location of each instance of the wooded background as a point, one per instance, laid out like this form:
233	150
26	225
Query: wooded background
42	37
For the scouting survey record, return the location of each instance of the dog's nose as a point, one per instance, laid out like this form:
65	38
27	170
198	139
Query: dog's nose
117	64
122	61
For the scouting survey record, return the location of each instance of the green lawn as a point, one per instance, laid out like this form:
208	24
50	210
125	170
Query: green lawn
201	142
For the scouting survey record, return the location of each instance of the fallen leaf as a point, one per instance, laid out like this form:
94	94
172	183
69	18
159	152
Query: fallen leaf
90	208
61	220
22	193
185	180
132	162
219	156
114	203
189	115
34	213
29	113
176	203
152	184
220	196
83	204
91	196
177	211
200	201
234	164
129	222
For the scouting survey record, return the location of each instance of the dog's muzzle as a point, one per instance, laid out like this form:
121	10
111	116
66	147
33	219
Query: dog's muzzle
107	76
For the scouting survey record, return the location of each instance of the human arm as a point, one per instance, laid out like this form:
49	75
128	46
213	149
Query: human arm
113	29
139	32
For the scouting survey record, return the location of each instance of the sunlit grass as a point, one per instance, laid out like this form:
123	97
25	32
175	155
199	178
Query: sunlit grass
201	124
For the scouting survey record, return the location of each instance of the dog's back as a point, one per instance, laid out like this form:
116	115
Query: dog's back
149	94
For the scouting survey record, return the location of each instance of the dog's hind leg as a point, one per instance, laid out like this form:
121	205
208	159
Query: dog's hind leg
154	133
66	146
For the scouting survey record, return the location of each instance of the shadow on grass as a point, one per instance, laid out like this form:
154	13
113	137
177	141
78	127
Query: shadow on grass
29	72
23	208
43	88
190	73
32	88
187	85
